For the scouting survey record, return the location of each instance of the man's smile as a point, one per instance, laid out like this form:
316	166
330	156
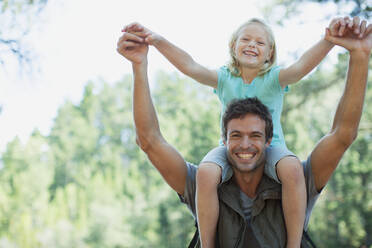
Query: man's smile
246	155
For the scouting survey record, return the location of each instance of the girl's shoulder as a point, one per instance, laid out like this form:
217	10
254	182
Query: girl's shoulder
272	78
224	69
273	72
225	72
272	75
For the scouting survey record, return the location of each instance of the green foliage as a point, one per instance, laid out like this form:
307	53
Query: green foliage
282	11
87	184
17	6
343	218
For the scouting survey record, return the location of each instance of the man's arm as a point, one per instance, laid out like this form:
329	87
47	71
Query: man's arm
178	57
163	156
328	152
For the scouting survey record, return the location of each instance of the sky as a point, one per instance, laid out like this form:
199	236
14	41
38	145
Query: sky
75	42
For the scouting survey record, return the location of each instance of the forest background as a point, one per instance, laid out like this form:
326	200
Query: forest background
85	183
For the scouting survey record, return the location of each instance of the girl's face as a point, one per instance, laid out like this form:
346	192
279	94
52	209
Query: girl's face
252	47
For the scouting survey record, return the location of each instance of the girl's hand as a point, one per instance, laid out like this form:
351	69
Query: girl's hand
150	37
353	35
133	48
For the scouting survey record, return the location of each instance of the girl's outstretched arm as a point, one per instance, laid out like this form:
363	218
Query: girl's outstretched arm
313	56
308	61
178	57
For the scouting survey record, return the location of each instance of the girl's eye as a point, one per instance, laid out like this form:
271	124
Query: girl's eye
260	43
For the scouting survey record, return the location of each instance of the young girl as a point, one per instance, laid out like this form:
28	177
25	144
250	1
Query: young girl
251	72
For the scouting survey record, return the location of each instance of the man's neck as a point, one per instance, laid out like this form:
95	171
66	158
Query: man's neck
249	181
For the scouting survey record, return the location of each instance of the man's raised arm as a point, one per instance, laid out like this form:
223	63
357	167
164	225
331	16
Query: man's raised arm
328	152
164	157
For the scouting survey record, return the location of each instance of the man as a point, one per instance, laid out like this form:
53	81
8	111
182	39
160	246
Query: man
250	204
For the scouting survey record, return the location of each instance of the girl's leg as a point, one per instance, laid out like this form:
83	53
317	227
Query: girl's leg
208	177
290	173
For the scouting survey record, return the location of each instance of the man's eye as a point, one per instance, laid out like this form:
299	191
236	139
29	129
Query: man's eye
260	43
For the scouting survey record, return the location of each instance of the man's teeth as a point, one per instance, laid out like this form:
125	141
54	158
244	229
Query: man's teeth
245	155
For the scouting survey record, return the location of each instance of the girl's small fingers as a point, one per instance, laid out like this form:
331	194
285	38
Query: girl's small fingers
124	29
348	22
363	26
137	27
368	30
334	26
128	39
131	26
149	39
342	27
356	21
128	27
139	34
133	37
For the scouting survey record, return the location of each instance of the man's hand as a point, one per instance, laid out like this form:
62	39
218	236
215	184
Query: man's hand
354	35
136	28
133	48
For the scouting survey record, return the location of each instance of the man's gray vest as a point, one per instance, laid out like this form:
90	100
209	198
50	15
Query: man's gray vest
267	219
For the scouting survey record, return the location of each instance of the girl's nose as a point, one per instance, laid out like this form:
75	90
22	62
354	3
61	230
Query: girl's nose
252	43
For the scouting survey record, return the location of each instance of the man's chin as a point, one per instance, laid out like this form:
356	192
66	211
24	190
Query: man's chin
245	167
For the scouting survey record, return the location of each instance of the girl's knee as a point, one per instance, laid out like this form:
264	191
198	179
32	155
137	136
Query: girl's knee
289	169
208	173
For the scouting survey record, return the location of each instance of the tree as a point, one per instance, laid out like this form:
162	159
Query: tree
93	186
343	213
289	9
87	184
16	20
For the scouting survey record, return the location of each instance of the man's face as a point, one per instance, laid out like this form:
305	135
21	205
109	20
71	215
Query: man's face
246	143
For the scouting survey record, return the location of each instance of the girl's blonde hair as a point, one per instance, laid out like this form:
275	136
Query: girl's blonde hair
234	65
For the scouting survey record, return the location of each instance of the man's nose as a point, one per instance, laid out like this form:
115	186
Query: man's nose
245	142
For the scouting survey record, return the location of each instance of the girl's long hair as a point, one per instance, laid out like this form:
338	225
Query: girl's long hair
234	65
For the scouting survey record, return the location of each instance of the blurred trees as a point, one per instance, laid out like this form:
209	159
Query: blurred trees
87	184
289	9
343	215
16	20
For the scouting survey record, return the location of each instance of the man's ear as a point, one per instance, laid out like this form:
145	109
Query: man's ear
268	142
224	141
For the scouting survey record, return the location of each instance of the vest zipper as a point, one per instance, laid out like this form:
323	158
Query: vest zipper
242	229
